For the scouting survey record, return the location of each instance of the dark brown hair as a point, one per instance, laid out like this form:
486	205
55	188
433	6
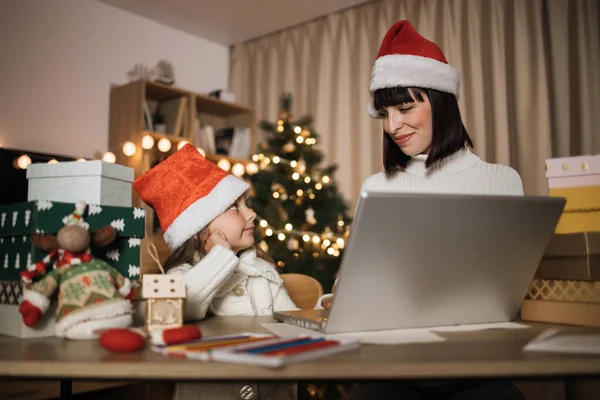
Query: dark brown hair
449	133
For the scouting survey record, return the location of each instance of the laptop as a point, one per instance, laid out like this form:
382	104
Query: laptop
423	260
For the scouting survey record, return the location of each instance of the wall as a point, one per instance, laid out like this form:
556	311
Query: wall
59	58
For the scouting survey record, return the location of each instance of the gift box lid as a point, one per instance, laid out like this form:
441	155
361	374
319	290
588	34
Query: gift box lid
75	168
573	245
44	216
573	166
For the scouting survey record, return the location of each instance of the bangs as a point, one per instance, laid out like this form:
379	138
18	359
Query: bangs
389	97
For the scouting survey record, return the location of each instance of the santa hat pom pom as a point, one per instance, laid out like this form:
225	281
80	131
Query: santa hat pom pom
122	340
162	337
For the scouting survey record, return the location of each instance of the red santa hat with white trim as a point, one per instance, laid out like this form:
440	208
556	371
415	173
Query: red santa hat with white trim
407	59
187	192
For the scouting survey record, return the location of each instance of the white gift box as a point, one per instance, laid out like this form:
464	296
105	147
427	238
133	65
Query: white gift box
96	182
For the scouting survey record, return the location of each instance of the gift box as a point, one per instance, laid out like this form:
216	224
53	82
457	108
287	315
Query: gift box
568	172
579	199
562	302
563	290
19	220
577	222
571	257
95	182
561	312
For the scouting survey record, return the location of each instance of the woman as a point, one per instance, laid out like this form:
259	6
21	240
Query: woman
426	148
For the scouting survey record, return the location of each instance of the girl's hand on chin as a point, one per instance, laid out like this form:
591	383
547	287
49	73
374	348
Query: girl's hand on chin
215	238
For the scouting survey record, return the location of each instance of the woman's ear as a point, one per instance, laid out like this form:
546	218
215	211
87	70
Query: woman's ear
44	241
103	237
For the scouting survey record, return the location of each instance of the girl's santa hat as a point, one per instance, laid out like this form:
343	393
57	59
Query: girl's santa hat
407	59
187	192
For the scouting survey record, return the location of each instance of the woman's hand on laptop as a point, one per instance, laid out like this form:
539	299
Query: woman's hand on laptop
326	303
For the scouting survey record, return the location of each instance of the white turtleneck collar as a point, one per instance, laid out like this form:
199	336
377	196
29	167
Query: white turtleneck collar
457	162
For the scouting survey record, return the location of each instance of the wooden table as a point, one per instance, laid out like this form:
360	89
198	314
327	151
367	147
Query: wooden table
484	354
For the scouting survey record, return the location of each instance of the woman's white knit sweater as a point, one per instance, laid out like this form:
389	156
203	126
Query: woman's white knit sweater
463	172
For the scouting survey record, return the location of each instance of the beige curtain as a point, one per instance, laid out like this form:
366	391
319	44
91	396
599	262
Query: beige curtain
529	68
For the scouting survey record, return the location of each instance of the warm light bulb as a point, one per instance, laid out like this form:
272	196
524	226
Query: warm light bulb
238	169
164	145
288	227
53	161
340	223
311	196
181	144
299	139
147	142
307	179
326	242
267	160
269	232
297	129
280	122
281	237
255	158
275	195
293	163
129	149
330	251
306	238
263	223
316	239
24	161
224	164
201	151
280	128
299	192
340	242
325	179
251	168
318	186
109	157
276	160
295	176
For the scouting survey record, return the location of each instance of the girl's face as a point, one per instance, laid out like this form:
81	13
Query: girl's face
409	125
237	224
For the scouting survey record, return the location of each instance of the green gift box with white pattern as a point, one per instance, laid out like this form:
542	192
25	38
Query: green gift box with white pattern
19	220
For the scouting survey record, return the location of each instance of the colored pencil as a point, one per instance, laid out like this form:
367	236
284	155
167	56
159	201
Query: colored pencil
281	345
304	348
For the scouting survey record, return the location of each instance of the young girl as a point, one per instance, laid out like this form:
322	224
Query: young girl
210	231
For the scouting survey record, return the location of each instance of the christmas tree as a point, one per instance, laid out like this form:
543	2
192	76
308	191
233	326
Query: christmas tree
302	218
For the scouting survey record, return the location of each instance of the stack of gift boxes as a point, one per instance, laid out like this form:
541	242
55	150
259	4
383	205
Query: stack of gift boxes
53	190
566	287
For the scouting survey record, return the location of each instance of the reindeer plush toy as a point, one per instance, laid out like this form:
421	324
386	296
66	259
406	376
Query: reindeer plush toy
92	295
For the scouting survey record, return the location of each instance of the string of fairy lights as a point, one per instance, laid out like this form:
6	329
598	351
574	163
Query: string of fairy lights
163	143
328	241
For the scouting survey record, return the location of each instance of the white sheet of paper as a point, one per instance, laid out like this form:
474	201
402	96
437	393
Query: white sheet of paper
398	336
552	341
479	327
393	336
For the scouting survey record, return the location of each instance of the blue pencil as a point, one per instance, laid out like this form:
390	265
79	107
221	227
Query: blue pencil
282	345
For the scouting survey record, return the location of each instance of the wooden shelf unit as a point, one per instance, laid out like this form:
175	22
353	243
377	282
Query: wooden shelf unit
127	124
